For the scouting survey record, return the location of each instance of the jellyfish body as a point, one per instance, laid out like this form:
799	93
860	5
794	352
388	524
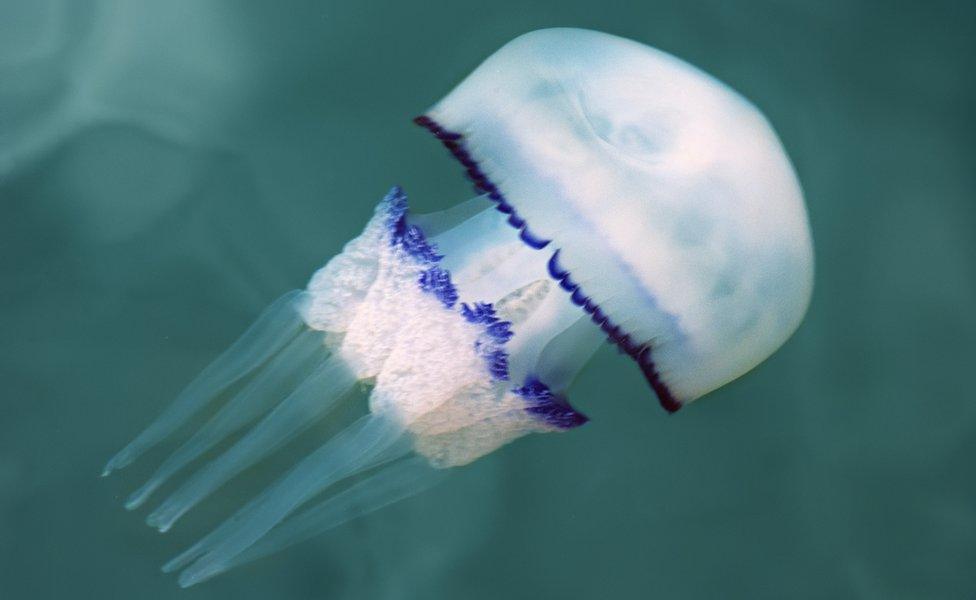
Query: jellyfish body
625	196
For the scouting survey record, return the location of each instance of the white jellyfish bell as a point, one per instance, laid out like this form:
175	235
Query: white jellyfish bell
626	195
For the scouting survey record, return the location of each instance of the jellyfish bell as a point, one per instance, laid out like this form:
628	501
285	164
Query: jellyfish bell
667	197
624	196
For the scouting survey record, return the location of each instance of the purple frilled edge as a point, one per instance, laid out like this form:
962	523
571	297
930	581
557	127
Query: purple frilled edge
639	352
435	280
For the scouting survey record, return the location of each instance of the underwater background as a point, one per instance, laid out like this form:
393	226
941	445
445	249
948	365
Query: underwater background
169	168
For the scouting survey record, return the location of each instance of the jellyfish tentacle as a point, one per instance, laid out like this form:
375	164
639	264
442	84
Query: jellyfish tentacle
274	328
366	443
271	383
398	481
518	305
498	273
310	401
552	315
564	356
473	238
201	546
435	223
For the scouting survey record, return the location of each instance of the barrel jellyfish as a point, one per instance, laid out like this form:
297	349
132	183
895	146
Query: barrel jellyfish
623	196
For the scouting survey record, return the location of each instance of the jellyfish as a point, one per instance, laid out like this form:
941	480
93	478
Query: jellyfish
623	196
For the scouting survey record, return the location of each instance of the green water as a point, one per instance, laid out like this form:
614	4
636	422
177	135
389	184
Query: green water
168	168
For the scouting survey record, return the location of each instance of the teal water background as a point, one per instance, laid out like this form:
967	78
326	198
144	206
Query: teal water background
168	168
